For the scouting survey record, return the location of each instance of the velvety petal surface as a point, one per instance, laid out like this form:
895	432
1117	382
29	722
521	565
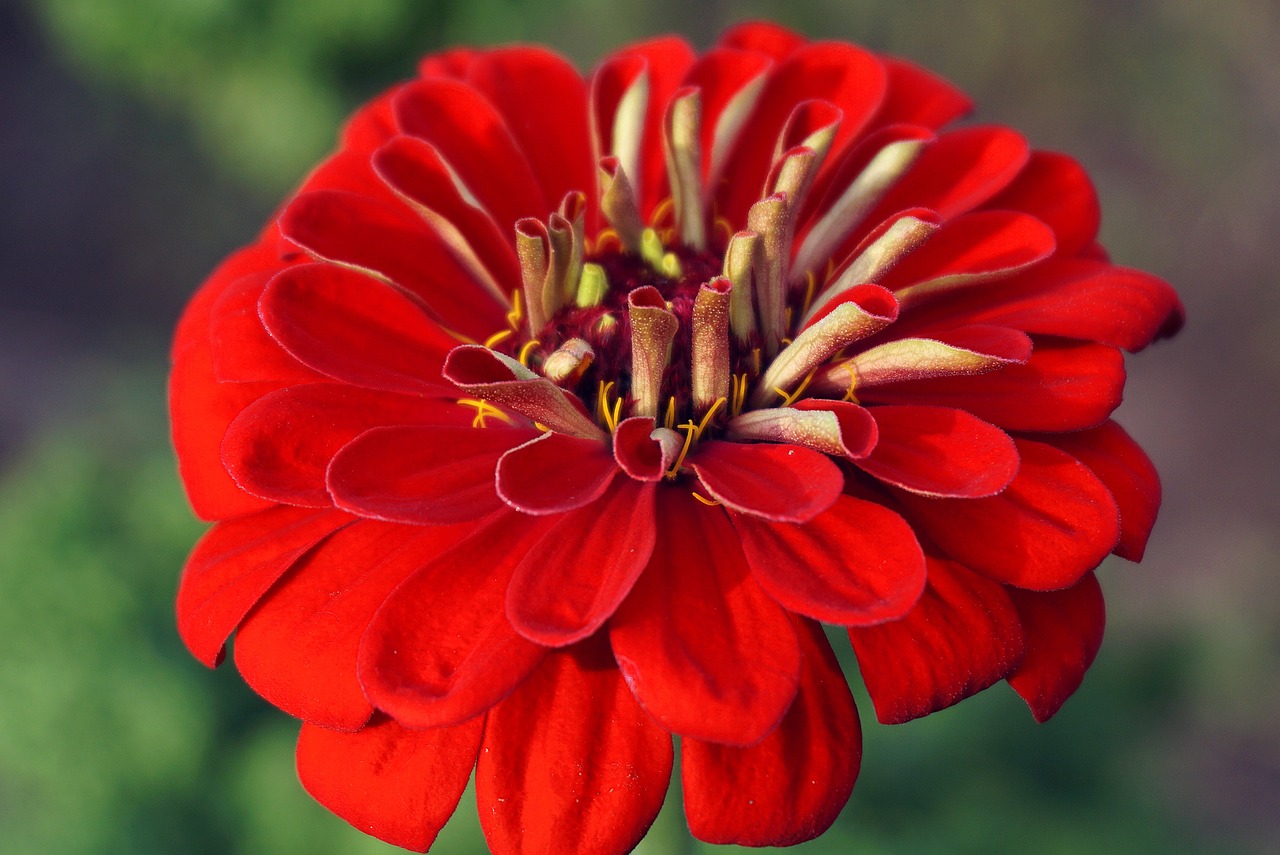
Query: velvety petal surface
1051	525
422	474
706	651
397	784
790	787
571	765
554	473
783	483
939	451
572	580
298	646
440	649
1064	631
962	636
856	563
1130	476
238	561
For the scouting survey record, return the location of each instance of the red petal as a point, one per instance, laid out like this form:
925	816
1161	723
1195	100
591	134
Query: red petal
201	407
642	452
971	248
940	451
399	785
387	239
1122	465
766	37
243	351
850	78
962	636
356	329
783	483
855	563
476	143
959	172
298	647
371	126
791	786
280	446
1064	631
573	579
721	75
416	171
1056	190
235	563
422	474
667	59
919	97
544	102
571	764
555	473
440	650
1062	387
705	650
1054	522
1074	298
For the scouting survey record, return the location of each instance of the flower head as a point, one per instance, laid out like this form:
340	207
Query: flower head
552	417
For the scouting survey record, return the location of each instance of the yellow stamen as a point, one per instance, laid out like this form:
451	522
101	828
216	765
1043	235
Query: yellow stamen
662	212
614	416
607	237
725	227
688	443
755	359
739	394
670	420
483	410
602	399
525	349
516	315
853	382
497	337
706	420
811	286
701	498
789	399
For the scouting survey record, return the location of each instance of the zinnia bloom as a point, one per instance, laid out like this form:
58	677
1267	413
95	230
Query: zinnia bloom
553	417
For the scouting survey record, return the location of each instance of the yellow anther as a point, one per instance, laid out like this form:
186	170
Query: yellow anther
725	227
516	315
811	286
670	421
497	337
787	324
701	498
483	410
755	359
706	420
691	430
525	349
853	383
789	399
739	394
662	211
606	237
540	426
652	249
602	400
611	418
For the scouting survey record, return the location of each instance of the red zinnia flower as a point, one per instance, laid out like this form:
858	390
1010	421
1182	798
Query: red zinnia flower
553	416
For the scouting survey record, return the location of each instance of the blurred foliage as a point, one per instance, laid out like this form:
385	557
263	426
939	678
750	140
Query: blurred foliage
113	740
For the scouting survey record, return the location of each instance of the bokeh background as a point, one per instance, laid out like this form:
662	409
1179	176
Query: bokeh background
141	140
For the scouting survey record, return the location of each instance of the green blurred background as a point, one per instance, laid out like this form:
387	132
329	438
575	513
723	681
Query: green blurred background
144	139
